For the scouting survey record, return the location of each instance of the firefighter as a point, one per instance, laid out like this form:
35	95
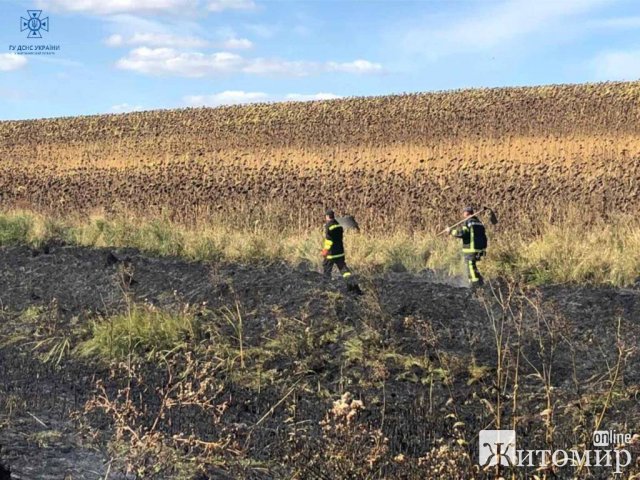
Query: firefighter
474	245
333	252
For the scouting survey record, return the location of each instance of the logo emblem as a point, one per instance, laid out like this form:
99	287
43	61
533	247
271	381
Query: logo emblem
497	447
34	24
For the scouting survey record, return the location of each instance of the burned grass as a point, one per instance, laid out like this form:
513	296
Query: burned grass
288	377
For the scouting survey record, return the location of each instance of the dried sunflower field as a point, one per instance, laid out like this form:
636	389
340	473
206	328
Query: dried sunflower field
411	160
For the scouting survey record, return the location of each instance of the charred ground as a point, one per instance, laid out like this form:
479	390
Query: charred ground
431	363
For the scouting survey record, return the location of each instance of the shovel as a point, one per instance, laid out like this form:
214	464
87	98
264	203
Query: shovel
348	222
492	218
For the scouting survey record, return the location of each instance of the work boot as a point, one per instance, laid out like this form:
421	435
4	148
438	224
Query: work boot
355	289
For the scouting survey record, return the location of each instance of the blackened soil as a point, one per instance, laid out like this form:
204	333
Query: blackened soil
413	313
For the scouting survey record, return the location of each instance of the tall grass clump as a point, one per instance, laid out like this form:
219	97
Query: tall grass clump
143	331
15	228
570	252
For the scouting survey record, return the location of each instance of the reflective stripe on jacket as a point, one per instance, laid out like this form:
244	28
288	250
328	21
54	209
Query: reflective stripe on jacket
473	235
333	233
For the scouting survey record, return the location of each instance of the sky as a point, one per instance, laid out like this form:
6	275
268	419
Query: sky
117	56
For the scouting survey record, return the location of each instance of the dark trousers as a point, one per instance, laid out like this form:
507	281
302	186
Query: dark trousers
470	263
327	268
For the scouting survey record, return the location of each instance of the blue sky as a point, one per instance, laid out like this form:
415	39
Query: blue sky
123	55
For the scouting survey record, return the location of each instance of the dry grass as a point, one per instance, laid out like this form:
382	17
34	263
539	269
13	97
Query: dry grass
605	253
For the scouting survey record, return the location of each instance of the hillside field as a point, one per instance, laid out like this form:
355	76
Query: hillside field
559	164
411	160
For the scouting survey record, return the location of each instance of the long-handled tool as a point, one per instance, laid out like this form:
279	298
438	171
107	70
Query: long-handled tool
492	218
348	222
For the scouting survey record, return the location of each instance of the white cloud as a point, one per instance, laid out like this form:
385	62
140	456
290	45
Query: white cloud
265	66
235	97
108	7
168	61
300	97
228	97
357	66
126	107
11	61
237	44
221	5
491	27
164	39
156	40
229	39
617	65
114	40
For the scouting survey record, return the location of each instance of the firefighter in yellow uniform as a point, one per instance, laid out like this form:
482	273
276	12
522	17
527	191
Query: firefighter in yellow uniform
474	245
333	252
